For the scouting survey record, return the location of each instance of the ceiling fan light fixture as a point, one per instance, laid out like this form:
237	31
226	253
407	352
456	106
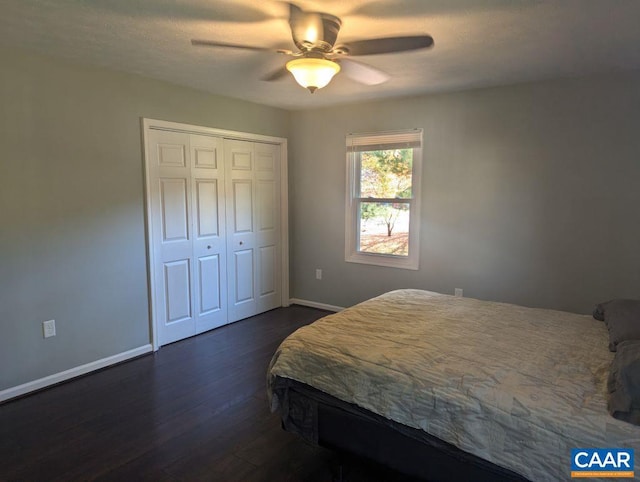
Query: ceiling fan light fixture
313	73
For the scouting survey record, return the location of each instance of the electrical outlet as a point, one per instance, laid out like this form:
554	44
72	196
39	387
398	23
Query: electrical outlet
318	274
458	292
49	328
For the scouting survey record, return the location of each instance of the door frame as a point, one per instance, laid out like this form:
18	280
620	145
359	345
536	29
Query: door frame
147	125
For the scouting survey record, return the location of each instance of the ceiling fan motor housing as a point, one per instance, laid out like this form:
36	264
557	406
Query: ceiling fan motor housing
314	31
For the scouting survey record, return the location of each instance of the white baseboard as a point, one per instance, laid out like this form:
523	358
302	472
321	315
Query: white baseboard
72	373
314	304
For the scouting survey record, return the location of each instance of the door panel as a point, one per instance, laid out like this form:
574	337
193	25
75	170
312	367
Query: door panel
242	300
244	276
187	217
242	206
169	158
241	157
207	207
241	236
253	179
209	285
268	269
209	245
175	224
205	156
177	276
172	154
267	204
268	241
266	159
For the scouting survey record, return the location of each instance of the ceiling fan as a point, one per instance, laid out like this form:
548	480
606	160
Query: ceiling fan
318	58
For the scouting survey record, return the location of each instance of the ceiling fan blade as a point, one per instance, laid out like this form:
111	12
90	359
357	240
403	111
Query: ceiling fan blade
365	74
211	43
386	45
275	75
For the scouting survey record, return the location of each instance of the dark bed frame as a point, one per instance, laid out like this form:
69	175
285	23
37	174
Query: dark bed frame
332	423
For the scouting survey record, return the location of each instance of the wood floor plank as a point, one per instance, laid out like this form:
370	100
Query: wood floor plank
195	410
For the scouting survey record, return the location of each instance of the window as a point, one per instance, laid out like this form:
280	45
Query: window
383	198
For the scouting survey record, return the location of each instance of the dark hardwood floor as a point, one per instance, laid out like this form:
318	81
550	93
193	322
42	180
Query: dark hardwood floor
195	410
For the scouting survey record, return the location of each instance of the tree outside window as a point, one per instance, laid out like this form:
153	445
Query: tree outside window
384	226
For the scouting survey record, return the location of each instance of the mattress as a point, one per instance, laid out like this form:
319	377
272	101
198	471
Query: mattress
519	387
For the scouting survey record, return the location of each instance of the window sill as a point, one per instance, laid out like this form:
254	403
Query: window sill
387	261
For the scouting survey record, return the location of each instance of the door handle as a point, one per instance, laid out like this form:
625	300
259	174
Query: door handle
208	246
241	243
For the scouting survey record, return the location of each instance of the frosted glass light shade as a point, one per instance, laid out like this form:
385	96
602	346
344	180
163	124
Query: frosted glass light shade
313	74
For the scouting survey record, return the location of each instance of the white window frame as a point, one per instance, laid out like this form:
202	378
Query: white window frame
357	143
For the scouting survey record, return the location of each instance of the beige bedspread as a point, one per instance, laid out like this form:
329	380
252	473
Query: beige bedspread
517	386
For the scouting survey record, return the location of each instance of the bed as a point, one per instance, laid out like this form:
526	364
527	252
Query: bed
464	389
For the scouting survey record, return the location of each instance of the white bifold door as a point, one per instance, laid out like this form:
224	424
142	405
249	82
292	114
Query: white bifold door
215	224
253	227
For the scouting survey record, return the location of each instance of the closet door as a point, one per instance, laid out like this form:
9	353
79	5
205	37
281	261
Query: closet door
209	231
253	227
268	252
187	217
170	183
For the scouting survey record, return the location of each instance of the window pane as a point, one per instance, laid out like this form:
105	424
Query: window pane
384	228
386	174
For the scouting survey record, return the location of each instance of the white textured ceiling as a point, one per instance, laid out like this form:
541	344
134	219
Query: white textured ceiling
477	42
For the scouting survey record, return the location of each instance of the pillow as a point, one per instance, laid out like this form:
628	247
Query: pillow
624	383
598	311
622	318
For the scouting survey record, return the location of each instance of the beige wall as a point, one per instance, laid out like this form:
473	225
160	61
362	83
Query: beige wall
530	194
72	206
